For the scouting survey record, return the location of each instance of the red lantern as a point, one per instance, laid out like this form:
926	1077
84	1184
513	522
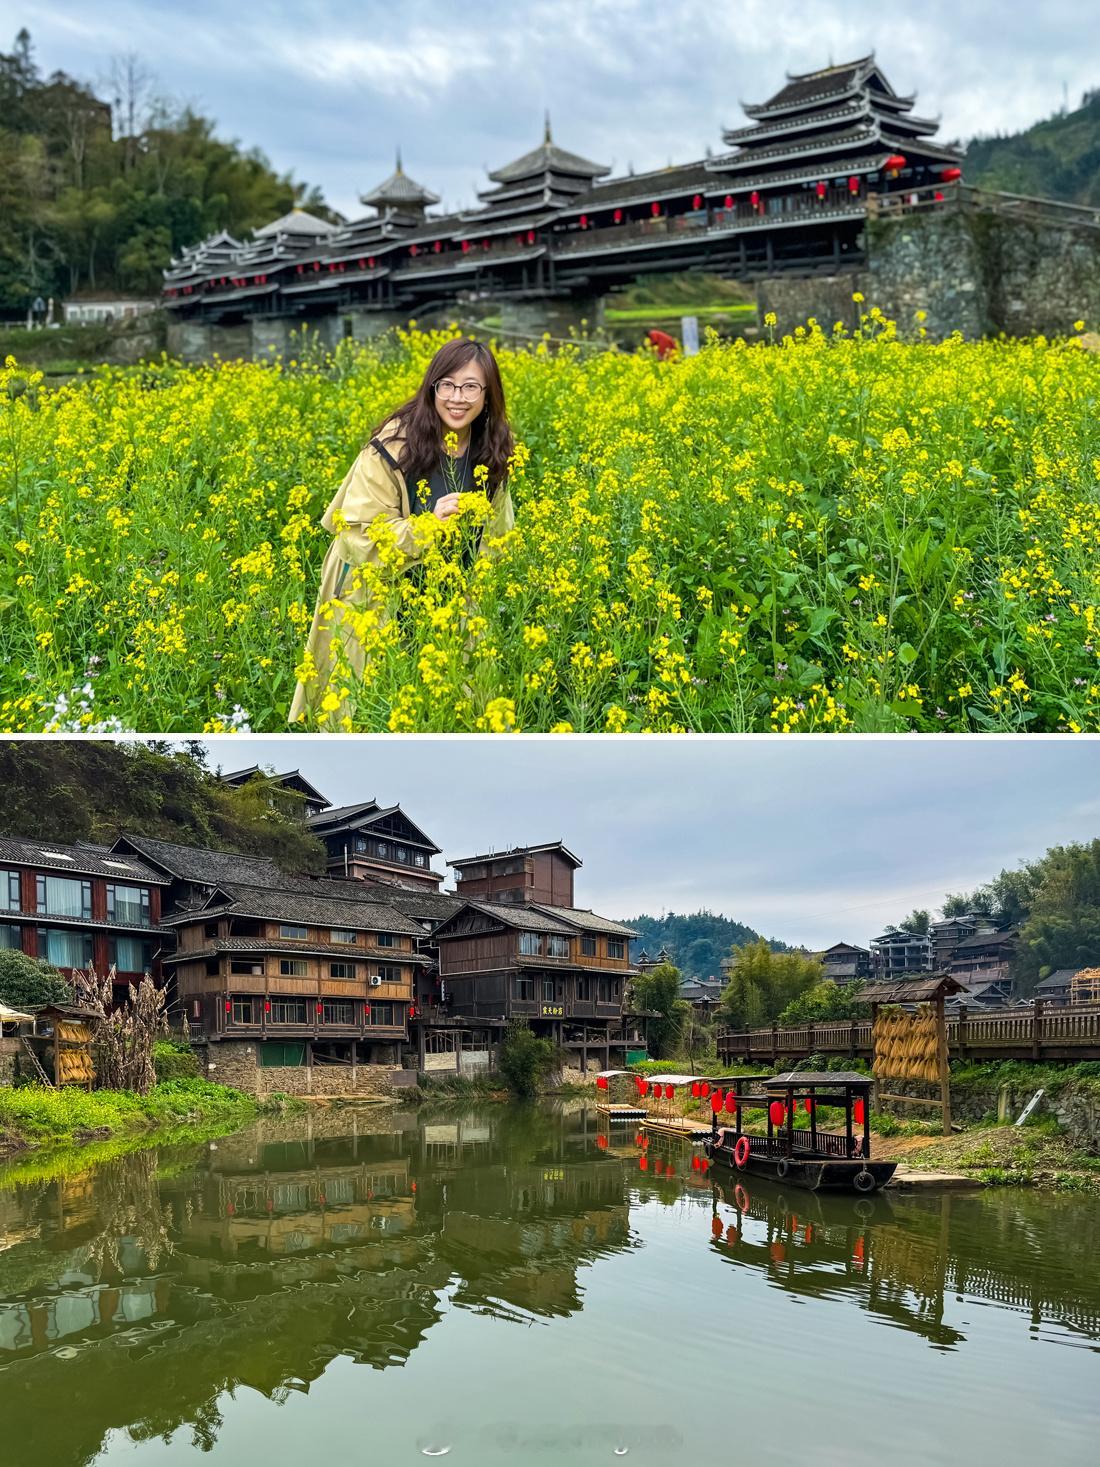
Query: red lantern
318	1008
716	1225
601	1082
670	1170
731	1235
618	216
414	249
808	1105
643	1163
776	1112
267	1005
601	1142
697	201
728	201
584	221
696	1090
362	264
853	185
658	1166
228	1007
857	1249
858	1111
716	1102
895	163
731	1102
655	209
370	261
819	189
412	1186
695	1163
951	175
465	246
437	246
777	1252
704	1164
530	236
668	1092
705	1088
938	197
754	198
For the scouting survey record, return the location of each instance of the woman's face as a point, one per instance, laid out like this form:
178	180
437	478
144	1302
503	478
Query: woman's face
456	401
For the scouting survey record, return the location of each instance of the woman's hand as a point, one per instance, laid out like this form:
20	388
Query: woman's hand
446	506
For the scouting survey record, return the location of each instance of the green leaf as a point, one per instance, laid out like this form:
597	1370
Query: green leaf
907	653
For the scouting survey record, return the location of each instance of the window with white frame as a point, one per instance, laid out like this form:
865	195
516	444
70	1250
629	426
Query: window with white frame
557	946
530	944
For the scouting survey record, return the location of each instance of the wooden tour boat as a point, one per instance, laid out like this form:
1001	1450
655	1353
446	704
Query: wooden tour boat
803	1156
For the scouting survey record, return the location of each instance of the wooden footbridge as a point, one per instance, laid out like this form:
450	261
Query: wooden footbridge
1036	1032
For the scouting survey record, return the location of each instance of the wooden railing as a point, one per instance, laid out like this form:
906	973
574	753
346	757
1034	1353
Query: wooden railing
966	196
1036	1032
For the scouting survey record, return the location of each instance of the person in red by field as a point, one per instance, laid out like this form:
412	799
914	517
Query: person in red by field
663	344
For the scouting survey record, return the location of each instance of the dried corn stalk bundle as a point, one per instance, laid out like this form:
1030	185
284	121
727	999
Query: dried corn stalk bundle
906	1045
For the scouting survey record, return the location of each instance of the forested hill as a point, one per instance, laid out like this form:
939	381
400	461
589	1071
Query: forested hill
67	790
697	942
99	198
1055	159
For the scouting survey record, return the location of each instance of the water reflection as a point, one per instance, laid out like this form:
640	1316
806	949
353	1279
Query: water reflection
146	1289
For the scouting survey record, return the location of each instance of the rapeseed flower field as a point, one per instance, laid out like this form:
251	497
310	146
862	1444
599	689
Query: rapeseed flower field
825	531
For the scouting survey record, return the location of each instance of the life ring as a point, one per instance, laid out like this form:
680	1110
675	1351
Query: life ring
864	1181
782	1167
741	1199
741	1151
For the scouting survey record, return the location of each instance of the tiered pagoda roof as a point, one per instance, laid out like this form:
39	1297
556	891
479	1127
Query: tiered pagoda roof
400	194
534	188
843	119
208	257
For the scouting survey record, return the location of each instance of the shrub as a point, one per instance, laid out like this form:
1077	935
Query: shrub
25	980
173	1059
525	1059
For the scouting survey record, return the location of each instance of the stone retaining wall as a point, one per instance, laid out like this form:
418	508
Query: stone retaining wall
235	1064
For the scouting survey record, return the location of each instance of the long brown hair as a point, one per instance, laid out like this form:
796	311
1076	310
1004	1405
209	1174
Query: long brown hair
490	436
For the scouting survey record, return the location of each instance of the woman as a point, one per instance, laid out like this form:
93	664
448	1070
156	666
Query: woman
434	442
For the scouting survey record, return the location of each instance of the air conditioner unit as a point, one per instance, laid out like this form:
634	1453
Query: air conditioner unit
376	982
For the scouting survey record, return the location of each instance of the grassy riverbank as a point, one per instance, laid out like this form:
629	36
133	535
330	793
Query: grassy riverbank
33	1116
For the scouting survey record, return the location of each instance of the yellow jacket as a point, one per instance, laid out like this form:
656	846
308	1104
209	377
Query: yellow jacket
371	488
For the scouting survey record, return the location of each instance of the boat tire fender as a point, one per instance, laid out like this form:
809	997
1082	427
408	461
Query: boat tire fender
741	1151
782	1167
864	1181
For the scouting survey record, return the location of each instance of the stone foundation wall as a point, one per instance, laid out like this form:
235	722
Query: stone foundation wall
9	1048
795	298
235	1064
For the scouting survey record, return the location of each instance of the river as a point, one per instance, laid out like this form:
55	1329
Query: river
509	1285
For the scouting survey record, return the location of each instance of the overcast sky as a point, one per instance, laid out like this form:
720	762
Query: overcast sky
812	840
328	89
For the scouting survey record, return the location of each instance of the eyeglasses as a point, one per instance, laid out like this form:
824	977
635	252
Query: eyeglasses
471	391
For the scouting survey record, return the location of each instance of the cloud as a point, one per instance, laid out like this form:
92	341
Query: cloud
326	89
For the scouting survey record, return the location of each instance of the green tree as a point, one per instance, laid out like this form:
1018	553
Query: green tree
917	921
525	1059
66	790
25	980
824	1001
763	982
658	992
1062	929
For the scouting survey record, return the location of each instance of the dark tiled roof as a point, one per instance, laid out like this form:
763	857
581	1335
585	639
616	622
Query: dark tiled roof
317	909
910	990
423	905
524	918
817	1077
549	845
211	868
586	920
1059	979
687	178
988	939
83	860
547	157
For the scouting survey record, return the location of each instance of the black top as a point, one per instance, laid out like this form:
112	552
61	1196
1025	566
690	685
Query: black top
447	477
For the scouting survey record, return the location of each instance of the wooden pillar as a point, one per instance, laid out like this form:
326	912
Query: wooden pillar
961	1031
458	1051
1037	1030
944	1067
420	1042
